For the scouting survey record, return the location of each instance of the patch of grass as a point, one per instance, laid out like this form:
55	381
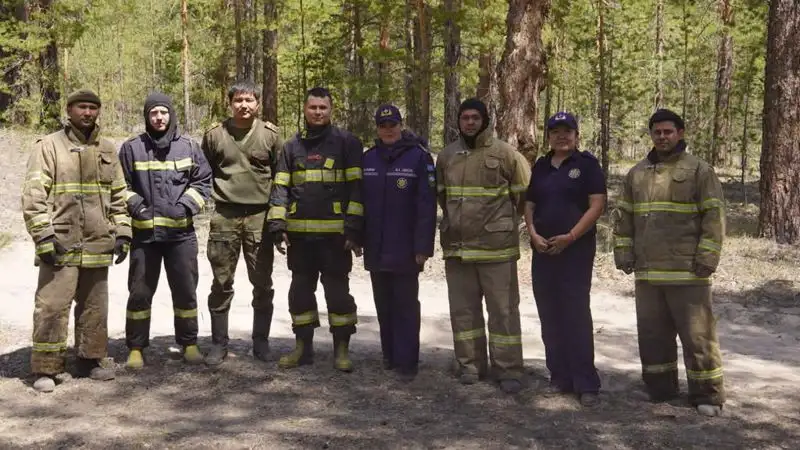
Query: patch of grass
5	240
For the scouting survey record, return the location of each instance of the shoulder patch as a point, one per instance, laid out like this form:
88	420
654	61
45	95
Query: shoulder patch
271	126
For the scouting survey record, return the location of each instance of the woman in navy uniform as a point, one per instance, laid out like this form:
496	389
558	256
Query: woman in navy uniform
400	222
566	196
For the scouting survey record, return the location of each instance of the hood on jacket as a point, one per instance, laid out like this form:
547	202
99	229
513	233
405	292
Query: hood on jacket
407	141
161	139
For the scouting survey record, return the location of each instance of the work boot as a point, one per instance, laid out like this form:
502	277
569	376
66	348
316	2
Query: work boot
589	399
341	360
192	354
709	410
303	353
44	384
262	319
405	375
92	369
219	337
135	359
510	386
468	378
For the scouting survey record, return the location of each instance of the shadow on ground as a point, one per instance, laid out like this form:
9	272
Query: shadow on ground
251	404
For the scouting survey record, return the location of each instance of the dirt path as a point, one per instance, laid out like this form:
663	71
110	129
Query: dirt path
248	404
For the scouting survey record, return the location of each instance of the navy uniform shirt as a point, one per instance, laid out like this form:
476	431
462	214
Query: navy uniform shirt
561	195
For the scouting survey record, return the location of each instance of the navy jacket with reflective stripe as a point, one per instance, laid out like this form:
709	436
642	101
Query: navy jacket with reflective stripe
166	188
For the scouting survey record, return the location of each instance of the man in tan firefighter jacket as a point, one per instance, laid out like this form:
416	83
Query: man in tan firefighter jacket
481	185
669	230
316	210
242	152
73	203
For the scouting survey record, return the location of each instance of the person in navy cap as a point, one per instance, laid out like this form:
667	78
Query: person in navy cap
399	194
566	196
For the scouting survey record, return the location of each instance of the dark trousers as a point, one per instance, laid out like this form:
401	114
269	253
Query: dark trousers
561	286
310	259
397	303
180	263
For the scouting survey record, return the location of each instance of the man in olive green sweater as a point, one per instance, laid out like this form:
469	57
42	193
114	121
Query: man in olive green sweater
242	152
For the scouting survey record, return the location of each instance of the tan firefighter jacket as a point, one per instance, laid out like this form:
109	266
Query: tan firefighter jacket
75	190
671	217
481	192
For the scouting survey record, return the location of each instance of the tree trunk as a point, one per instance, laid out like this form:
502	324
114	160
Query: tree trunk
185	64
487	79
50	114
720	136
269	94
780	152
411	78
246	40
384	55
452	54
423	42
521	74
685	88
659	100
602	104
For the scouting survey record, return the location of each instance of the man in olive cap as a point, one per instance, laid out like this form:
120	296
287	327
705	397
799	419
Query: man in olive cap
73	204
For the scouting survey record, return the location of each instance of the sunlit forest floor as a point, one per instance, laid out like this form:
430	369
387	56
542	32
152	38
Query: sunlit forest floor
248	404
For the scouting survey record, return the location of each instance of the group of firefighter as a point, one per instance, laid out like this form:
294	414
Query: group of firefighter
320	199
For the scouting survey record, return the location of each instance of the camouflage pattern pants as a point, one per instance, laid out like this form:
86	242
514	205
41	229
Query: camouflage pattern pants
236	229
467	285
664	312
57	288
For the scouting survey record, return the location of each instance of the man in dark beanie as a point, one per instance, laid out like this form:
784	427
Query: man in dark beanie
73	204
669	227
169	181
480	184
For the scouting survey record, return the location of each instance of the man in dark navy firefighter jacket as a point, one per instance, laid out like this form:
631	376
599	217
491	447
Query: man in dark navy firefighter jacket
400	221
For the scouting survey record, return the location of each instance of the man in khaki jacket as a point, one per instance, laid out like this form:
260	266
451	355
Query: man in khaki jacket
73	203
669	230
481	185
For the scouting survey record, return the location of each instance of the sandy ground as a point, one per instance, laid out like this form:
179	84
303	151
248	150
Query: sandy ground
246	404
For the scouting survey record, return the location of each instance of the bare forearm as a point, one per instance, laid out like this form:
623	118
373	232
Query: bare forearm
528	213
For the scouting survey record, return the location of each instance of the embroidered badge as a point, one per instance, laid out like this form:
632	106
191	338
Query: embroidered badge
402	183
574	173
432	180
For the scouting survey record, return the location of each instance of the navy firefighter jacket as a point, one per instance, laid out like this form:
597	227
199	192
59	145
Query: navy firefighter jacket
399	193
166	187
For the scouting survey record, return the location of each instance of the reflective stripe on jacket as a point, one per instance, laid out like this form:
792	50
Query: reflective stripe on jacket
170	186
317	189
671	217
481	192
75	191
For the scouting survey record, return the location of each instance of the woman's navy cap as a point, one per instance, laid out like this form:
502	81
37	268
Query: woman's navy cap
387	113
562	119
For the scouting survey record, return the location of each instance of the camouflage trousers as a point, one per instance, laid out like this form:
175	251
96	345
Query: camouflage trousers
467	285
57	288
664	312
237	229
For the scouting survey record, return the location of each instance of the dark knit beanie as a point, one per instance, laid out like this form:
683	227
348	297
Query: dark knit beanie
83	95
476	104
161	139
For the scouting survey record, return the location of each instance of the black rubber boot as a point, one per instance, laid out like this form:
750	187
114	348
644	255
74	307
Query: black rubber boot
303	353
262	320
219	339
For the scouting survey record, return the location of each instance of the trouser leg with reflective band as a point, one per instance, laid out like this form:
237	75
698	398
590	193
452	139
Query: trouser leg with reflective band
57	287
466	316
696	325
658	349
397	304
303	262
259	257
500	286
143	273
180	262
336	264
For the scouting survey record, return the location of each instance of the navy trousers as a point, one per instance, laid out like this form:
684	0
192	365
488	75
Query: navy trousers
561	285
397	303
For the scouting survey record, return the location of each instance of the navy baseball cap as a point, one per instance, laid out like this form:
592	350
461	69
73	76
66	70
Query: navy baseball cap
388	113
562	119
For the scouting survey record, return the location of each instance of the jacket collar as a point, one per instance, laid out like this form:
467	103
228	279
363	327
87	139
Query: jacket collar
76	136
483	139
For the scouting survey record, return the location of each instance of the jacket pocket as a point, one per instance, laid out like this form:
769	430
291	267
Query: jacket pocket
682	186
105	167
500	225
491	172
